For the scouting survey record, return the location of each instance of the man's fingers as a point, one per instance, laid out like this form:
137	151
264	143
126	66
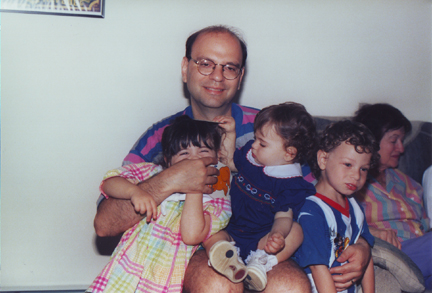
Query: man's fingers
209	161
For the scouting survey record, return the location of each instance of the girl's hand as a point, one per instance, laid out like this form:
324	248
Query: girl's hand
145	204
275	243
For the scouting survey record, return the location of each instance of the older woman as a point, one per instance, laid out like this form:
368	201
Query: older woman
393	202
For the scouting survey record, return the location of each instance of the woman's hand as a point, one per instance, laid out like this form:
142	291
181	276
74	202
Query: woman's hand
388	235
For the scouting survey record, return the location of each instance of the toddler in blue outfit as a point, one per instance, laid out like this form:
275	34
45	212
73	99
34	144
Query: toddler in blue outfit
266	194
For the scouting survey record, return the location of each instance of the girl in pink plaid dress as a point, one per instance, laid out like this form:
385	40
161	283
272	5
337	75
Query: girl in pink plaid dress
152	256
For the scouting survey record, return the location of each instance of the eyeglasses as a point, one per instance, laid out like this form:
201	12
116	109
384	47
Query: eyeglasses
206	67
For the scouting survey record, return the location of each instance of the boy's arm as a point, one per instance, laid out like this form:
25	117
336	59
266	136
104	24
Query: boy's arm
194	225
322	278
281	228
226	153
368	281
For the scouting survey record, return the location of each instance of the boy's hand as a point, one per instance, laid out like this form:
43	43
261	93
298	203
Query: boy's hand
275	243
145	204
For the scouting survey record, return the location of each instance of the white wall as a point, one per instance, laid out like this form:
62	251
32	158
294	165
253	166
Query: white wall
77	92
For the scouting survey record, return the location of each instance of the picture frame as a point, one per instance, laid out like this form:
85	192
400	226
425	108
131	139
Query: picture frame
86	8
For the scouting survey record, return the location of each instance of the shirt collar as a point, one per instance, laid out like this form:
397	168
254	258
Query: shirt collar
280	171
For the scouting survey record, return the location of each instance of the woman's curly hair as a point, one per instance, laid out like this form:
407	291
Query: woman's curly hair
294	124
353	133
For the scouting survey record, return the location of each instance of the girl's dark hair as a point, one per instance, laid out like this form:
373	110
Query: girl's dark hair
185	131
294	124
354	133
380	118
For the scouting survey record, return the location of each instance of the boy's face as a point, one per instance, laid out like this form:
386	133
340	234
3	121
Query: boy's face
343	170
269	148
193	152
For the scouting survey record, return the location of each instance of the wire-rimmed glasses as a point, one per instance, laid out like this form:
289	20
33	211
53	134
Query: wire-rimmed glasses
206	67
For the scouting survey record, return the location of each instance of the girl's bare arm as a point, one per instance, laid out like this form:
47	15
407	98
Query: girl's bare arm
194	225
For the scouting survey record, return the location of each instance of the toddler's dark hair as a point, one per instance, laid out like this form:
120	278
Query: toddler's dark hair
185	131
294	124
354	133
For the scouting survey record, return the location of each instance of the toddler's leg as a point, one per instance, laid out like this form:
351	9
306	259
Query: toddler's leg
259	262
223	257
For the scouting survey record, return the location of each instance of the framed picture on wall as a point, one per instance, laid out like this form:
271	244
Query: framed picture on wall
89	8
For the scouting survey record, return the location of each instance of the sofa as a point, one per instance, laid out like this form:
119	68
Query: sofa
394	270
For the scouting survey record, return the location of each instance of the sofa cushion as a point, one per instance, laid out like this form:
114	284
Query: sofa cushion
404	270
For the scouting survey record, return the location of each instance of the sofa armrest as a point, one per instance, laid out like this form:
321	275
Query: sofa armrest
405	271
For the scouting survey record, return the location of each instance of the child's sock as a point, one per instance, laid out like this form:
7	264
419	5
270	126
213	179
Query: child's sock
224	258
258	264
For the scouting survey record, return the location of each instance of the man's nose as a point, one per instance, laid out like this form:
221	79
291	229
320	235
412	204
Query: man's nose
217	73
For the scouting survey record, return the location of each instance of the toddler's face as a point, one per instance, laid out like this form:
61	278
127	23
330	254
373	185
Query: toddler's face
193	152
268	148
345	169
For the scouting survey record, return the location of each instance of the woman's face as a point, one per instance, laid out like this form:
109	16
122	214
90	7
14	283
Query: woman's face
391	148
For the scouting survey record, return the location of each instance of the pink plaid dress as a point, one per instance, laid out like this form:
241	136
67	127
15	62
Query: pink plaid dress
151	257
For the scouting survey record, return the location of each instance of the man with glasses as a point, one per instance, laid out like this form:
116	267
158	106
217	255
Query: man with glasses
212	69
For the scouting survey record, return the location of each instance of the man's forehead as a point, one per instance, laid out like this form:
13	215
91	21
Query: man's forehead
205	40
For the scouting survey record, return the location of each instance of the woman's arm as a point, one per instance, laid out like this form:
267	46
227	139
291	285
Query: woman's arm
114	216
194	224
322	278
388	235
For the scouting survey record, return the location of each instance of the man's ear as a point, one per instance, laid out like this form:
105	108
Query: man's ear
290	153
241	78
322	157
184	68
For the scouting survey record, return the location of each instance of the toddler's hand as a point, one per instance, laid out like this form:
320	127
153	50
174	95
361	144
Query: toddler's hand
226	122
145	204
275	243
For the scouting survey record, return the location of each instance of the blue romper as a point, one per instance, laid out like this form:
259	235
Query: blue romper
258	193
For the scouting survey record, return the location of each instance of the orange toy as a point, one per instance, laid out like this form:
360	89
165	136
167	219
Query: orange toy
223	182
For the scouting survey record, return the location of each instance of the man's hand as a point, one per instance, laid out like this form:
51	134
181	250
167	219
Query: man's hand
388	235
114	216
358	256
187	176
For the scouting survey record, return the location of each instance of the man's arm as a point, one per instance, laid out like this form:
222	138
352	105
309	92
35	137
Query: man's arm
114	216
358	256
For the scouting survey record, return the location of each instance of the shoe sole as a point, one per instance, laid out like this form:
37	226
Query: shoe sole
255	280
224	259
